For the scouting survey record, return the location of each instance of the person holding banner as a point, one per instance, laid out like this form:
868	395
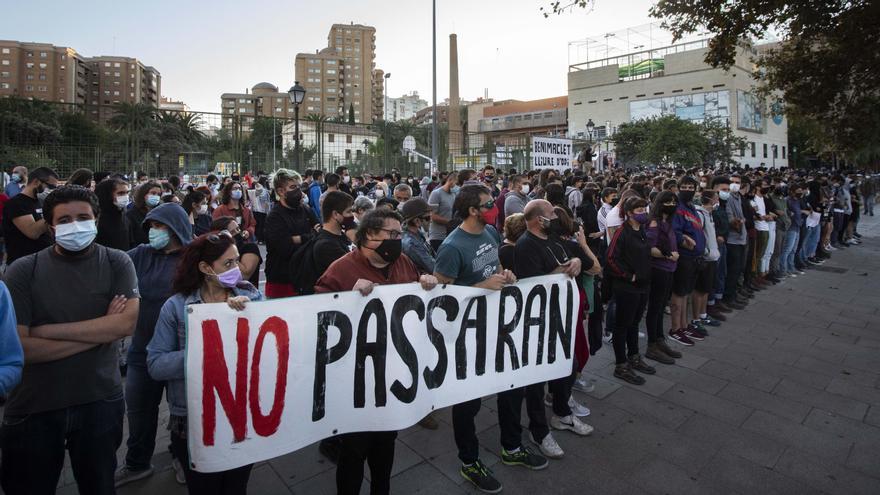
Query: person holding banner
469	256
540	252
376	261
208	272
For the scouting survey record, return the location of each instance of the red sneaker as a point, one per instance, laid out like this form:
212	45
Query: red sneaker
681	337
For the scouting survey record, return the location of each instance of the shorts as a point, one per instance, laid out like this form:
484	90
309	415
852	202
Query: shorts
685	276
706	277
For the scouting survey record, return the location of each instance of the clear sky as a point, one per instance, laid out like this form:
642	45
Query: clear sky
204	49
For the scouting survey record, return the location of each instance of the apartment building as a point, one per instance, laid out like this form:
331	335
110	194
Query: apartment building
404	107
43	72
52	73
117	80
170	105
263	100
342	75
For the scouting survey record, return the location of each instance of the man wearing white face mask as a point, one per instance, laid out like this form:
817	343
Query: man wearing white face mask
516	199
73	301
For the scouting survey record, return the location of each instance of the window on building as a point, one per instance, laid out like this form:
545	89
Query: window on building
348	138
106	92
106	64
42	89
131	95
4	74
348	154
116	74
42	77
43	66
242	110
4	85
775	151
311	109
28	88
4	62
331	138
783	152
29	65
5	51
752	147
29	77
331	98
331	71
765	150
43	54
116	93
116	64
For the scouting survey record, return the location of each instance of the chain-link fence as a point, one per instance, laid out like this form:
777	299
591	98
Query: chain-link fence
129	138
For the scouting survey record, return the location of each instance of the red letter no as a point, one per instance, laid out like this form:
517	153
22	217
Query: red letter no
215	376
268	424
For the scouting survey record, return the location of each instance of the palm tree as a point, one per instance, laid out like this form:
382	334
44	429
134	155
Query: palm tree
132	119
190	125
319	121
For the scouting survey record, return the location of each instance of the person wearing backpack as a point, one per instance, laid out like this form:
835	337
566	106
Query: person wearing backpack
329	245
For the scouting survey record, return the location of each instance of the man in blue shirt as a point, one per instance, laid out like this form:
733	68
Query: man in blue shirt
469	256
688	228
18	177
315	192
11	355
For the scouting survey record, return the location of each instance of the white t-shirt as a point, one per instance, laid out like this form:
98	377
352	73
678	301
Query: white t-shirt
761	209
613	220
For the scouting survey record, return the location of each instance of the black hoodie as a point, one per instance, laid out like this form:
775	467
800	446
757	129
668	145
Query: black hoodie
113	231
630	254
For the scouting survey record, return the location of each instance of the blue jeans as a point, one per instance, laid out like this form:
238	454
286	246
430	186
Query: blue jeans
789	246
33	448
811	240
143	395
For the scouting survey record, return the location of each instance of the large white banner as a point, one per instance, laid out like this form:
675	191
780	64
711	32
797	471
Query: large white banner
551	153
285	373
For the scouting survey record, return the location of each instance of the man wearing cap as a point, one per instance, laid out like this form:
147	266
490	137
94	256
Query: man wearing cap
416	218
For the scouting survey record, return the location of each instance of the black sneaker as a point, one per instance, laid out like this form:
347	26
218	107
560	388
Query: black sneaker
626	373
636	362
481	477
524	457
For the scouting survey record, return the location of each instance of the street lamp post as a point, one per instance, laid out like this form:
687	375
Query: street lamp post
250	161
297	94
385	147
157	165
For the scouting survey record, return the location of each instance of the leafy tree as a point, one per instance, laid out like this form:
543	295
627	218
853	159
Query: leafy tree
661	141
721	143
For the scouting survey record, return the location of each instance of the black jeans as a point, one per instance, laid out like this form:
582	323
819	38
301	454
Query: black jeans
33	448
261	221
736	258
231	482
630	308
143	395
510	410
594	322
465	431
661	288
375	447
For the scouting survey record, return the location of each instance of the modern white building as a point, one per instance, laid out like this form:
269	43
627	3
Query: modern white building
340	144
404	107
674	80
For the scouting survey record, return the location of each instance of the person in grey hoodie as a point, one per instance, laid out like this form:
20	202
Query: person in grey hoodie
169	231
737	240
573	194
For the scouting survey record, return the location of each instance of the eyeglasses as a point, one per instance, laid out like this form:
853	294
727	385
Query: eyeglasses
488	204
425	218
393	234
215	238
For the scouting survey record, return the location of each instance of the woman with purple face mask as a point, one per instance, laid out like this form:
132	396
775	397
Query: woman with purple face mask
629	262
208	273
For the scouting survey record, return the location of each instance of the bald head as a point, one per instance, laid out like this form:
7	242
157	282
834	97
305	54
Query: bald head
538	208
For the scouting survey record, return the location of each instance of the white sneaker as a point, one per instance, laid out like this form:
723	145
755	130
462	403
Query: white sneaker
125	475
548	446
179	474
584	385
571	423
577	408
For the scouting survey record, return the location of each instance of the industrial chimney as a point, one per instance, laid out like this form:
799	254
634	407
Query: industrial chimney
456	139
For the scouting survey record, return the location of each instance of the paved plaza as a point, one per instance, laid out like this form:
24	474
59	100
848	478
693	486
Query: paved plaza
783	398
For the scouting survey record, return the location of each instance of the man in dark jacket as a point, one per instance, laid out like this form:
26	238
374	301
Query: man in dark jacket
289	225
155	264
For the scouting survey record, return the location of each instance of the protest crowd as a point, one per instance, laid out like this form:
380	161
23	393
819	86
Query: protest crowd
101	267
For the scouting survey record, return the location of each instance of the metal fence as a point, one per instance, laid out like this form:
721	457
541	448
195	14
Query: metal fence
68	137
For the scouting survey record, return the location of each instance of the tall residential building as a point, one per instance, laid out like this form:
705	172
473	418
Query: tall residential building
264	100
46	72
43	72
342	75
404	107
170	105
121	80
377	105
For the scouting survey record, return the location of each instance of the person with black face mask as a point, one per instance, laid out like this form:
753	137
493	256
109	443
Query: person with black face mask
691	241
376	261
24	228
288	226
